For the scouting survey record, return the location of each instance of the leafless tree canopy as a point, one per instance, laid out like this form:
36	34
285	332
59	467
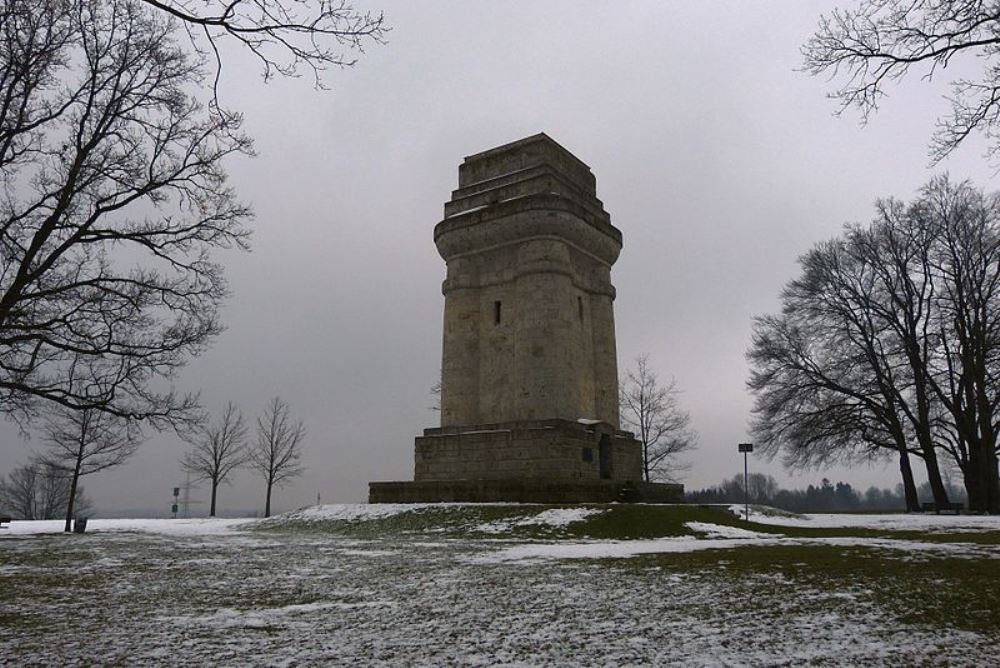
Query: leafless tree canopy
878	42
653	413
217	450
82	442
112	196
284	35
276	454
889	341
38	491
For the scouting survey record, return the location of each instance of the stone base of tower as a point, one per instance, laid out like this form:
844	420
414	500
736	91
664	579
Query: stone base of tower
539	461
523	491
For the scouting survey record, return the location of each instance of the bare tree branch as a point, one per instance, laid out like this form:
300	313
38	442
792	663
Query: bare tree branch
878	42
284	36
112	200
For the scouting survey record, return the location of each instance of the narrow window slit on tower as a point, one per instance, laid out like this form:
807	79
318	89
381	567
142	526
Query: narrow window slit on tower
579	307
496	313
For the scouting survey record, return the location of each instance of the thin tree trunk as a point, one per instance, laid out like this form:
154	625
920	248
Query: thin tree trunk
215	486
72	497
267	505
645	462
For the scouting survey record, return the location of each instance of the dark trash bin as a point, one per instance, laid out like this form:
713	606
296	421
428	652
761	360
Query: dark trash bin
80	525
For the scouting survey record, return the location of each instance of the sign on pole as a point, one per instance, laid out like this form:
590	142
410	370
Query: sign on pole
746	448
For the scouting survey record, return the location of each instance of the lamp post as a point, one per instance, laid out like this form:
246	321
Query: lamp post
746	449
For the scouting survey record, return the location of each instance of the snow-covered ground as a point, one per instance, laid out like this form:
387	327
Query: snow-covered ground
558	517
210	592
888	522
174	527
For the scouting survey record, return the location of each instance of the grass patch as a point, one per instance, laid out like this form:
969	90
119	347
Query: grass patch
639	521
930	591
500	521
608	522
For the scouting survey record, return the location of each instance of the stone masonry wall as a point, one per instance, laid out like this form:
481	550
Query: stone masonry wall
546	449
529	321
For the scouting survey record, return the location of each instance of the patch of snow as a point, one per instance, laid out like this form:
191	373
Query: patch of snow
172	527
889	522
472	210
555	518
722	531
350	512
532	552
368	553
560	517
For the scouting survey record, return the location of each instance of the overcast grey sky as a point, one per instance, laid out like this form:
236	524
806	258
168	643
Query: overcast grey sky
717	160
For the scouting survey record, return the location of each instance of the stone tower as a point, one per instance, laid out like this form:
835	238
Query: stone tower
529	326
529	376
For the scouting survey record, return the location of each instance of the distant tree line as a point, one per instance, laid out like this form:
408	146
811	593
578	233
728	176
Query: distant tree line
39	491
827	497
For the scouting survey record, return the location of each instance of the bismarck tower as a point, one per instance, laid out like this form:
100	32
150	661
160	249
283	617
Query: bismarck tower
529	375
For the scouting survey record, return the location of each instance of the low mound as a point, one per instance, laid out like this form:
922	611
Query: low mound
500	521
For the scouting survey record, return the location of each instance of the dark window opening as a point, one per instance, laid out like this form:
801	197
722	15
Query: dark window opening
496	313
587	455
604	457
579	307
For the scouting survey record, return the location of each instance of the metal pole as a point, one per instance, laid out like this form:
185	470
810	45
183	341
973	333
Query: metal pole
746	485
746	449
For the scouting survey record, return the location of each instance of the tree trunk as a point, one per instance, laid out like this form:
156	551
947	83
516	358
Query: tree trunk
909	486
72	497
215	486
267	505
972	476
934	477
990	480
645	462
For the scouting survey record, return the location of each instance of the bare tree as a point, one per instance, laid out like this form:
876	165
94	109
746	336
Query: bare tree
277	451
878	42
19	492
890	338
821	400
965	374
217	450
82	442
653	413
38	491
113	196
